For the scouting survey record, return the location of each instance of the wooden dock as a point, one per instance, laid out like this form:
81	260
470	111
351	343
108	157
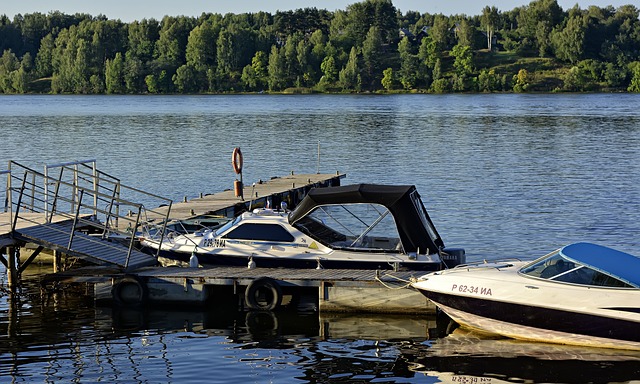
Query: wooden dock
329	290
70	218
290	189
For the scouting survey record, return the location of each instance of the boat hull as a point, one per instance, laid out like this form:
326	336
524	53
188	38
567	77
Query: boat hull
220	259
527	322
496	299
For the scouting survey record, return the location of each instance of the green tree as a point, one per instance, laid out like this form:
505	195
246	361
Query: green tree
44	57
142	37
329	70
463	62
292	64
362	16
165	83
466	33
249	78
349	76
372	57
489	21
105	39
201	50
134	73
634	85
114	75
152	84
568	43
521	81
186	79
81	68
255	76
388	79
234	49
536	20
488	81
72	61
170	48
440	33
96	84
437	70
276	70
408	65
428	53
305	62
8	64
615	75
21	77
441	85
576	79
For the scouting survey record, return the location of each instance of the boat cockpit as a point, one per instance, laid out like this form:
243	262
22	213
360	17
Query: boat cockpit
358	226
556	267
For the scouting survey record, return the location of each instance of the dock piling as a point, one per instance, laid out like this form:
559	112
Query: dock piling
12	269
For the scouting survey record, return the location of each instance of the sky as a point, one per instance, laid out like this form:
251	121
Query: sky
130	10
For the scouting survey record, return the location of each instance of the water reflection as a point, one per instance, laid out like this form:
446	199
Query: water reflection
62	336
480	356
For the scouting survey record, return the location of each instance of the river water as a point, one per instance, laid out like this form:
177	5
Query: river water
501	175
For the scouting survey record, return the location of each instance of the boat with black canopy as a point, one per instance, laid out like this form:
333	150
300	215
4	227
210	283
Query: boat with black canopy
363	226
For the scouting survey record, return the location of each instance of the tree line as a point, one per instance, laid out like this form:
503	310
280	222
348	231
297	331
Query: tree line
368	47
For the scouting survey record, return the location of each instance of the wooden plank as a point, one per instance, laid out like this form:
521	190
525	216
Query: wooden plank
226	199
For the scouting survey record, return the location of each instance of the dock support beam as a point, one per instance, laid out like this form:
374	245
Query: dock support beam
12	269
57	261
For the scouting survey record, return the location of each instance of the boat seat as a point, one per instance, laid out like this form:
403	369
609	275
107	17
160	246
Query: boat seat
555	269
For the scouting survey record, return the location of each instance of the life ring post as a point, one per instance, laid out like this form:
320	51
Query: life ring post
237	188
237	163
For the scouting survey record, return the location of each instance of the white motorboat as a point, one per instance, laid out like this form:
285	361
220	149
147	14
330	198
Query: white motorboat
357	226
581	294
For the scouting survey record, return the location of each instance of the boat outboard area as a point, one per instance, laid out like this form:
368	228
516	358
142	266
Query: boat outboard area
362	226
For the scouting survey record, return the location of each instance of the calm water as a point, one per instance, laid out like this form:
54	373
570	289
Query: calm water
501	175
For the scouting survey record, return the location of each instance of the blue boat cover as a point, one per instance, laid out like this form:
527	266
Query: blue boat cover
610	261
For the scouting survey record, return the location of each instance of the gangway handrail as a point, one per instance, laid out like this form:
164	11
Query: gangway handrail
9	195
64	166
6	192
73	193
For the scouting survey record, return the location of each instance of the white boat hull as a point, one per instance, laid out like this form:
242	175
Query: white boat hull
495	299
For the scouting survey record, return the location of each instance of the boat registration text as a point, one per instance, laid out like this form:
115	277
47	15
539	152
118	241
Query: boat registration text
471	289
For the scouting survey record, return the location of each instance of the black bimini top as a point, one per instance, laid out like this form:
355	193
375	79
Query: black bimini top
415	228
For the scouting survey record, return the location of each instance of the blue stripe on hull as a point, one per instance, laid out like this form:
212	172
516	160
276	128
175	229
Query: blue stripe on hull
542	318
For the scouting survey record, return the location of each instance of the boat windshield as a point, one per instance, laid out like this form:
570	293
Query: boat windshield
558	268
228	225
360	226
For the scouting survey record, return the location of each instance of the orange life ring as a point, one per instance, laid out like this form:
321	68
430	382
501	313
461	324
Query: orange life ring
236	160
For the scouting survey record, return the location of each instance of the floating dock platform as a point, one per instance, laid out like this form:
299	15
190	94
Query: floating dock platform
324	290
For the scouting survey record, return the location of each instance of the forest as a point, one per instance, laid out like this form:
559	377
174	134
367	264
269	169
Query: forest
368	47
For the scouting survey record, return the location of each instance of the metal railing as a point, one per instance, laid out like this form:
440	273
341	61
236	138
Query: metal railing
96	203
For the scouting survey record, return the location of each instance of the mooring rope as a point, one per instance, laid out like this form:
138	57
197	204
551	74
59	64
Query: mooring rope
378	279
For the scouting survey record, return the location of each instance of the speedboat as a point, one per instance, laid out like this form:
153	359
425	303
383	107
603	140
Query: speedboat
582	294
362	226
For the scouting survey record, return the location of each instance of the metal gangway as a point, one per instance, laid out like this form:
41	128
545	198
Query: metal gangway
75	209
